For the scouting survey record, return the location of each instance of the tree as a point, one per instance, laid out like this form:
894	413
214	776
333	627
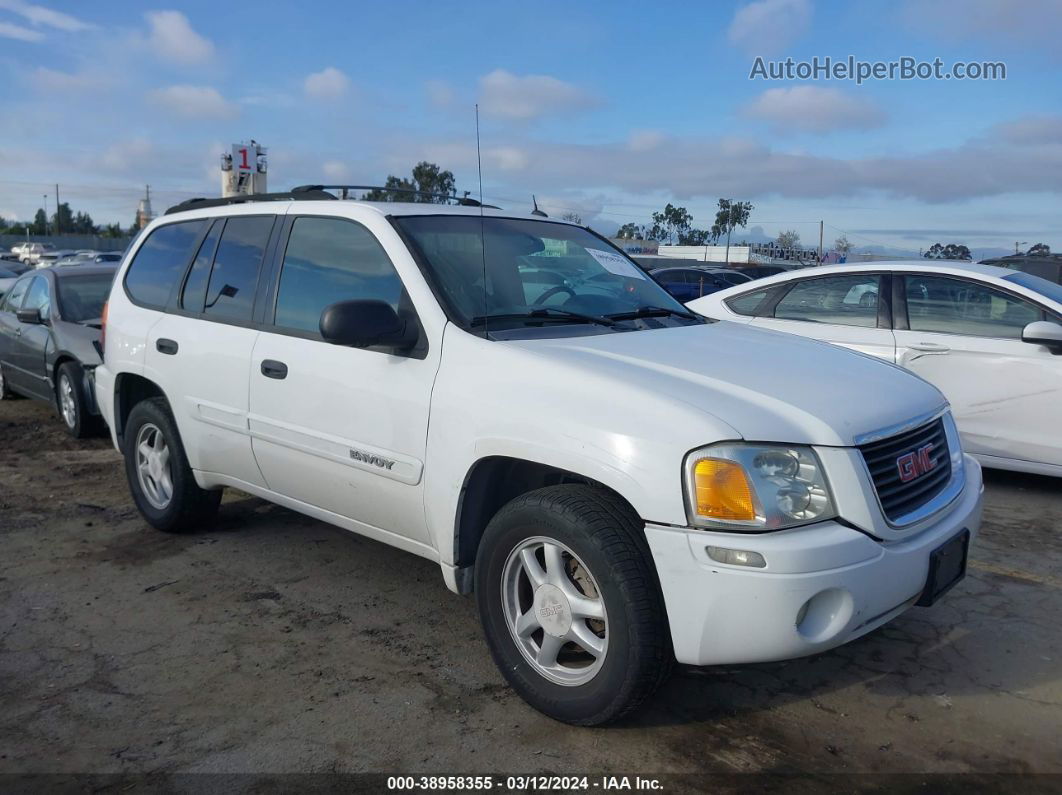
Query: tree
631	231
112	230
40	223
83	225
670	223
841	245
695	237
1039	250
790	238
953	251
730	216
63	219
574	218
426	177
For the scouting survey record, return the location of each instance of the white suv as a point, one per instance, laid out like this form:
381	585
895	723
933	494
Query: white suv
620	482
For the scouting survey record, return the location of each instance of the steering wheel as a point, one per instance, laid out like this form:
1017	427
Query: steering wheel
552	291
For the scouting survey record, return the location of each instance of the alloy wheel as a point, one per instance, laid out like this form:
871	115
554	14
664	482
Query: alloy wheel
554	610
153	466
67	402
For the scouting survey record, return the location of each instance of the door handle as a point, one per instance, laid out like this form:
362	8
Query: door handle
929	347
163	345
271	368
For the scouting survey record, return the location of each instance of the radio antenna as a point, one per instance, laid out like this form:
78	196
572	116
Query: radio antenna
482	235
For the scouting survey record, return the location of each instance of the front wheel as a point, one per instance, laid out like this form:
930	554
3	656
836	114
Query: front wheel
570	604
72	401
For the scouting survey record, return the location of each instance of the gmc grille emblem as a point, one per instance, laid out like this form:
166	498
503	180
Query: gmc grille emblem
916	463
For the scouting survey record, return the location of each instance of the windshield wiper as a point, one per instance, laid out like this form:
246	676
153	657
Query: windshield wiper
542	313
651	311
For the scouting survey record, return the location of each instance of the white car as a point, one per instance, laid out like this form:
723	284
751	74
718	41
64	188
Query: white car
31	252
989	338
620	482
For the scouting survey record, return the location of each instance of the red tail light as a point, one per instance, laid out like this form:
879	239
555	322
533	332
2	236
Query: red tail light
103	328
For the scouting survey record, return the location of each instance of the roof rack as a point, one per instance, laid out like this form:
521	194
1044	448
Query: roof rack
313	193
292	195
464	201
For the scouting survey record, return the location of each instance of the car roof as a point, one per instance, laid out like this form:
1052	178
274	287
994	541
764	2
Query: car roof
82	270
954	267
325	207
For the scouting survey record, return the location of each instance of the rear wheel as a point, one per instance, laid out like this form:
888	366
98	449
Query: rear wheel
570	604
72	401
160	479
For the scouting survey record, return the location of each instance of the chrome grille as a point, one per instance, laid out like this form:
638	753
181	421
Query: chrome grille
888	464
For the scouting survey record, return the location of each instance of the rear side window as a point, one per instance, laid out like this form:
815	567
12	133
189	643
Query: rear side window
329	260
230	291
161	261
748	303
838	300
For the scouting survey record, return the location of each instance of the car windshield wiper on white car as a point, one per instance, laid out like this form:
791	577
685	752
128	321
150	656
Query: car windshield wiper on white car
651	311
543	313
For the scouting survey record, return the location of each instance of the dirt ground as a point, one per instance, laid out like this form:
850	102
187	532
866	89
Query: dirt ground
274	643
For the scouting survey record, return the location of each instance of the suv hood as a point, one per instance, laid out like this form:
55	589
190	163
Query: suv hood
766	385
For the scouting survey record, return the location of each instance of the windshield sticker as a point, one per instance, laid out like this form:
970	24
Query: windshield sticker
615	263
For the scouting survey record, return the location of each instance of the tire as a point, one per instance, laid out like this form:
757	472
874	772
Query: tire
601	566
5	391
71	401
165	492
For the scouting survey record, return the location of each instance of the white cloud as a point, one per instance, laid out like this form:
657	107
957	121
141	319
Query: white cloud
814	109
19	33
767	27
173	39
1033	130
46	17
645	140
507	158
126	156
329	83
440	93
335	170
508	96
55	81
201	102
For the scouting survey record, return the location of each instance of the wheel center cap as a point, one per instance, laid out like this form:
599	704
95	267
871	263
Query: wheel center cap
553	611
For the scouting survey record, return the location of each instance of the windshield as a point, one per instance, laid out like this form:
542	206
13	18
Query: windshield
81	297
537	272
1042	286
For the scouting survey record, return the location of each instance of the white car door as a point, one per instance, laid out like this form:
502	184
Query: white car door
965	338
201	354
340	428
841	309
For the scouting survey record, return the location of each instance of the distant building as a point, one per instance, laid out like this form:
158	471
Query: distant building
144	215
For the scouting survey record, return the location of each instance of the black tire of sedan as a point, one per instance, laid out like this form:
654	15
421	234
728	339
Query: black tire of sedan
72	402
571	605
160	479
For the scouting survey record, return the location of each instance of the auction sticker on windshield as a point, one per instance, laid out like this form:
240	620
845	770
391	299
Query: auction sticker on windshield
616	264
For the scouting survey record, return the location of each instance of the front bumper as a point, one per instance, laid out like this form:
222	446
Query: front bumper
823	585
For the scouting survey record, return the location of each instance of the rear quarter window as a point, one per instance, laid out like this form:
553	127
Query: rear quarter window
161	261
748	303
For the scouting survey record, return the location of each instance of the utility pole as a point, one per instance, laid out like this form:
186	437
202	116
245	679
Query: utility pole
57	228
45	213
820	242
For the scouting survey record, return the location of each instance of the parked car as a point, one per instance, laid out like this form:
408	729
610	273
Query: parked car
761	271
47	259
108	256
688	283
617	480
31	252
49	329
988	337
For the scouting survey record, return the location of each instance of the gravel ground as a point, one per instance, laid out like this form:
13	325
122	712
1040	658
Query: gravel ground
274	643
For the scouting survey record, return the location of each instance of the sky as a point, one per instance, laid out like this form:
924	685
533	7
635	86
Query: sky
609	109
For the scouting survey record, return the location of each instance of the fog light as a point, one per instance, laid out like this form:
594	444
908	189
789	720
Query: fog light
737	557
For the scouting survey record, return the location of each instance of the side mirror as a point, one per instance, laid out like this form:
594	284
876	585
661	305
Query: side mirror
1044	332
365	323
29	316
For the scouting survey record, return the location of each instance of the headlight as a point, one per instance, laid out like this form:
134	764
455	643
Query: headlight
750	487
